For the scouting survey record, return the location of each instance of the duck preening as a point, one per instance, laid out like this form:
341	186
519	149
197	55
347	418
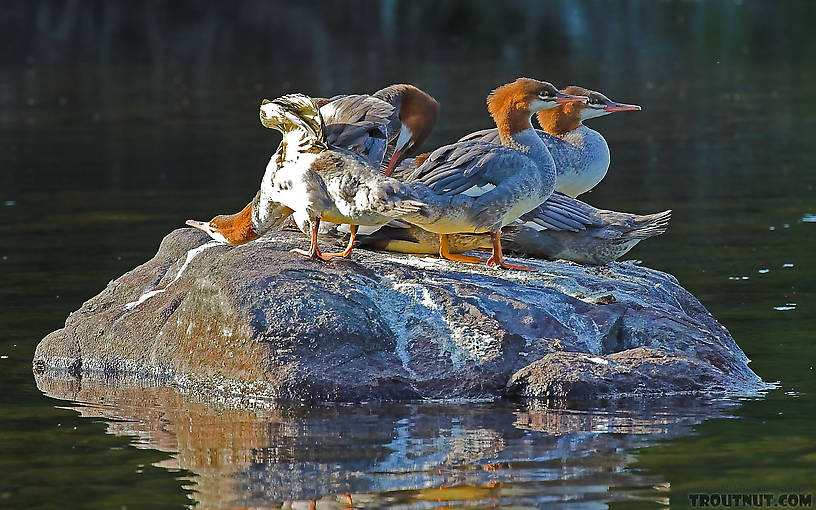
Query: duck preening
401	116
313	181
318	181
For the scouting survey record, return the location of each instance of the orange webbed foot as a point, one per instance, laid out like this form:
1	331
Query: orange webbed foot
445	253
498	260
314	251
347	251
315	255
492	262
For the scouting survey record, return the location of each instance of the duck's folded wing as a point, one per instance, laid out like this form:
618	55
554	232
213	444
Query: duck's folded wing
353	136
358	123
562	213
470	168
353	108
485	135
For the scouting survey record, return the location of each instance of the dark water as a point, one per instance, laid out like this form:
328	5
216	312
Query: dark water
118	121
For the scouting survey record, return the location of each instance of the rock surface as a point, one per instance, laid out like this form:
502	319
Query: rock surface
258	320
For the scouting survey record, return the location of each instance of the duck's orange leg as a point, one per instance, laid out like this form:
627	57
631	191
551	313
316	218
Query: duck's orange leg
347	251
497	260
313	252
444	252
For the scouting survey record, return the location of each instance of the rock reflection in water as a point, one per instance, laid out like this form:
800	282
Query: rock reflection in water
255	454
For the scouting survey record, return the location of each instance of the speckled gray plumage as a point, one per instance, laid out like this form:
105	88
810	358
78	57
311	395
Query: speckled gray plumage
563	213
322	182
362	193
581	156
612	236
513	179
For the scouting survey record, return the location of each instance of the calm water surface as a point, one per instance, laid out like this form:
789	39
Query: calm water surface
118	122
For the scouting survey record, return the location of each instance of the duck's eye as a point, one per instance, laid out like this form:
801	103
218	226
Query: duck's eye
544	94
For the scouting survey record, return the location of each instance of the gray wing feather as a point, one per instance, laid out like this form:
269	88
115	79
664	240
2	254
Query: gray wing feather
359	123
492	136
458	167
561	212
485	135
393	96
355	108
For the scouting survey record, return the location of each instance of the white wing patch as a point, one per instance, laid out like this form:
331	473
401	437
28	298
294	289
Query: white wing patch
477	191
535	226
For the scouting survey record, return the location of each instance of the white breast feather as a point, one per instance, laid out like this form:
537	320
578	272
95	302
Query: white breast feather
296	192
581	158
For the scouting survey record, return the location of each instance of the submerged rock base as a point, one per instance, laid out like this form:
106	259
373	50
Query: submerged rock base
258	320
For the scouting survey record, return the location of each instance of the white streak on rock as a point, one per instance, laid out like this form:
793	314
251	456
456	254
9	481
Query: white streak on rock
191	254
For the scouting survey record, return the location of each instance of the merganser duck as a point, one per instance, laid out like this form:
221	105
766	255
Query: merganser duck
606	237
581	154
570	230
582	159
244	226
316	181
369	125
412	118
493	184
562	227
357	123
386	127
416	114
321	182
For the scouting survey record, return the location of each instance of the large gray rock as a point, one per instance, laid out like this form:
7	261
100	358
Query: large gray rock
258	320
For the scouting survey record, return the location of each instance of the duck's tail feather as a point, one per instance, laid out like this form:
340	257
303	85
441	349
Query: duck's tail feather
650	225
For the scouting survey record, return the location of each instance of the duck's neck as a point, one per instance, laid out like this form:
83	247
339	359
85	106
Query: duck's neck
238	228
296	141
516	131
512	121
555	122
529	143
